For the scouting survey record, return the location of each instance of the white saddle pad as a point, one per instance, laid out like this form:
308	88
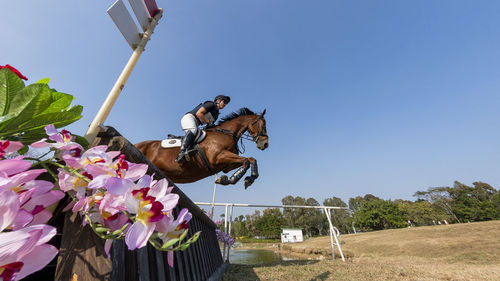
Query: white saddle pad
169	143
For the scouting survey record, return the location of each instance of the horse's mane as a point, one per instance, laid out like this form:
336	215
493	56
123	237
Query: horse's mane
241	112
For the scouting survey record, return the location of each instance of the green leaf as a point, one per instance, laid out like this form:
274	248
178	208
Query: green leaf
25	111
60	102
27	103
23	150
82	141
169	243
43	81
10	84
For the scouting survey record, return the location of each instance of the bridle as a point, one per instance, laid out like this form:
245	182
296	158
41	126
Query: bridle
246	135
260	130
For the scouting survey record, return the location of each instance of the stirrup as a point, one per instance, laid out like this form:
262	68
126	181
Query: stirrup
182	157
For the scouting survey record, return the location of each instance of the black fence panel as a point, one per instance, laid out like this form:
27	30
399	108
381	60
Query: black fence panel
201	261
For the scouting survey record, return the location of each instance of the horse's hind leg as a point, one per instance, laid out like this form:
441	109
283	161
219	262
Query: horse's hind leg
254	175
224	180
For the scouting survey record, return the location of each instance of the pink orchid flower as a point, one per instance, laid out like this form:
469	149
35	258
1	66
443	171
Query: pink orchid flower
95	156
24	251
117	178
149	205
170	229
34	196
7	147
63	141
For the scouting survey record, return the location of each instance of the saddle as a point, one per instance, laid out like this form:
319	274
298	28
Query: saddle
175	141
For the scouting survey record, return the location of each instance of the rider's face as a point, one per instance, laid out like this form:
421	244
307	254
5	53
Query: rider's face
221	104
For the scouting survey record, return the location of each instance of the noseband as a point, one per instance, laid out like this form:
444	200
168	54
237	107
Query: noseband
260	130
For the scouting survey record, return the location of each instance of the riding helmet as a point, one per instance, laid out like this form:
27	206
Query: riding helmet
225	99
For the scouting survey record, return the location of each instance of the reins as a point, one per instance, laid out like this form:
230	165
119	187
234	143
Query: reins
246	135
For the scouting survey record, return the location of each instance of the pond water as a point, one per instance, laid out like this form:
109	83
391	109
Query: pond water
254	256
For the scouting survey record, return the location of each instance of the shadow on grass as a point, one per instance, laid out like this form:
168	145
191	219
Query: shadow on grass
246	272
323	276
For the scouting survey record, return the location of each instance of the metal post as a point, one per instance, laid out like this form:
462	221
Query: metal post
331	231
213	197
103	112
333	234
229	228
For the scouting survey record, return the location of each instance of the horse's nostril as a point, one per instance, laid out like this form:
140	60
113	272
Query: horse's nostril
266	145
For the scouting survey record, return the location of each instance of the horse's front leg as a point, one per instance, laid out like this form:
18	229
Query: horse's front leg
233	159
254	175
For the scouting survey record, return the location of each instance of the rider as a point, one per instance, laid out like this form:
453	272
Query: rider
204	113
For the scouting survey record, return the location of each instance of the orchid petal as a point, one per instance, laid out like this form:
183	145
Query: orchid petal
136	171
9	207
99	181
37	259
159	189
107	247
51	130
170	258
41	218
41	144
14	166
10	243
169	201
138	234
117	186
165	225
44	200
22	219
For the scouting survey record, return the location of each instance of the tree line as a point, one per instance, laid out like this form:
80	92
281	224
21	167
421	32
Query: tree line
457	204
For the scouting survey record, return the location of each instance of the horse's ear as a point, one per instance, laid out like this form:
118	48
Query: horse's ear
263	112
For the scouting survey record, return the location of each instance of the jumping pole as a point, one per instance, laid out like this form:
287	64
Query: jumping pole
103	112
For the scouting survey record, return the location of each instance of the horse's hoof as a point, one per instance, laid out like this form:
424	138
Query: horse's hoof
248	182
222	180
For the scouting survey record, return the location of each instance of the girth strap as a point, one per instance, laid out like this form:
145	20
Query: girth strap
204	158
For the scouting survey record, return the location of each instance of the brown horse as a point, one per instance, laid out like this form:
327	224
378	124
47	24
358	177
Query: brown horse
219	151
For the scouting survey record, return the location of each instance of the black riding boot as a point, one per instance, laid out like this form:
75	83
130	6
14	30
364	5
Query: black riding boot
186	143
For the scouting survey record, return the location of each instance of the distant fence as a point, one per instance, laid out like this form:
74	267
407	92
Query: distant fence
201	261
334	232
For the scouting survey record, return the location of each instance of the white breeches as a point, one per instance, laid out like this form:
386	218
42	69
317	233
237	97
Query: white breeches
188	123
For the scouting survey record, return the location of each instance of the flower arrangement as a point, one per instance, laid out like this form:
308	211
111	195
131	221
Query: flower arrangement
116	198
222	236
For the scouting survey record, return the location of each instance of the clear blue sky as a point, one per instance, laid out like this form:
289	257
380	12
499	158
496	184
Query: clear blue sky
380	97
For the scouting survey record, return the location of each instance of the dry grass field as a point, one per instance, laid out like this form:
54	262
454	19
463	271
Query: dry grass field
469	251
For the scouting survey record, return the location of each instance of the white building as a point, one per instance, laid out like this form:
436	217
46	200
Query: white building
291	235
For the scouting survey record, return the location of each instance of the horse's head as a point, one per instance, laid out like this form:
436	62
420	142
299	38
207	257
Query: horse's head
257	129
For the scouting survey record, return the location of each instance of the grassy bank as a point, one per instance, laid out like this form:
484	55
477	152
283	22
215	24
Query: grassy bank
447	252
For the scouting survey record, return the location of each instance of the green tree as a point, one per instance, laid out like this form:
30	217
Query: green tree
251	223
239	227
439	197
340	218
358	201
310	217
293	216
421	212
270	223
465	203
379	214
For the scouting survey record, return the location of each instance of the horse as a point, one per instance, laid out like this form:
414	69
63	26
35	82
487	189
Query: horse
219	151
